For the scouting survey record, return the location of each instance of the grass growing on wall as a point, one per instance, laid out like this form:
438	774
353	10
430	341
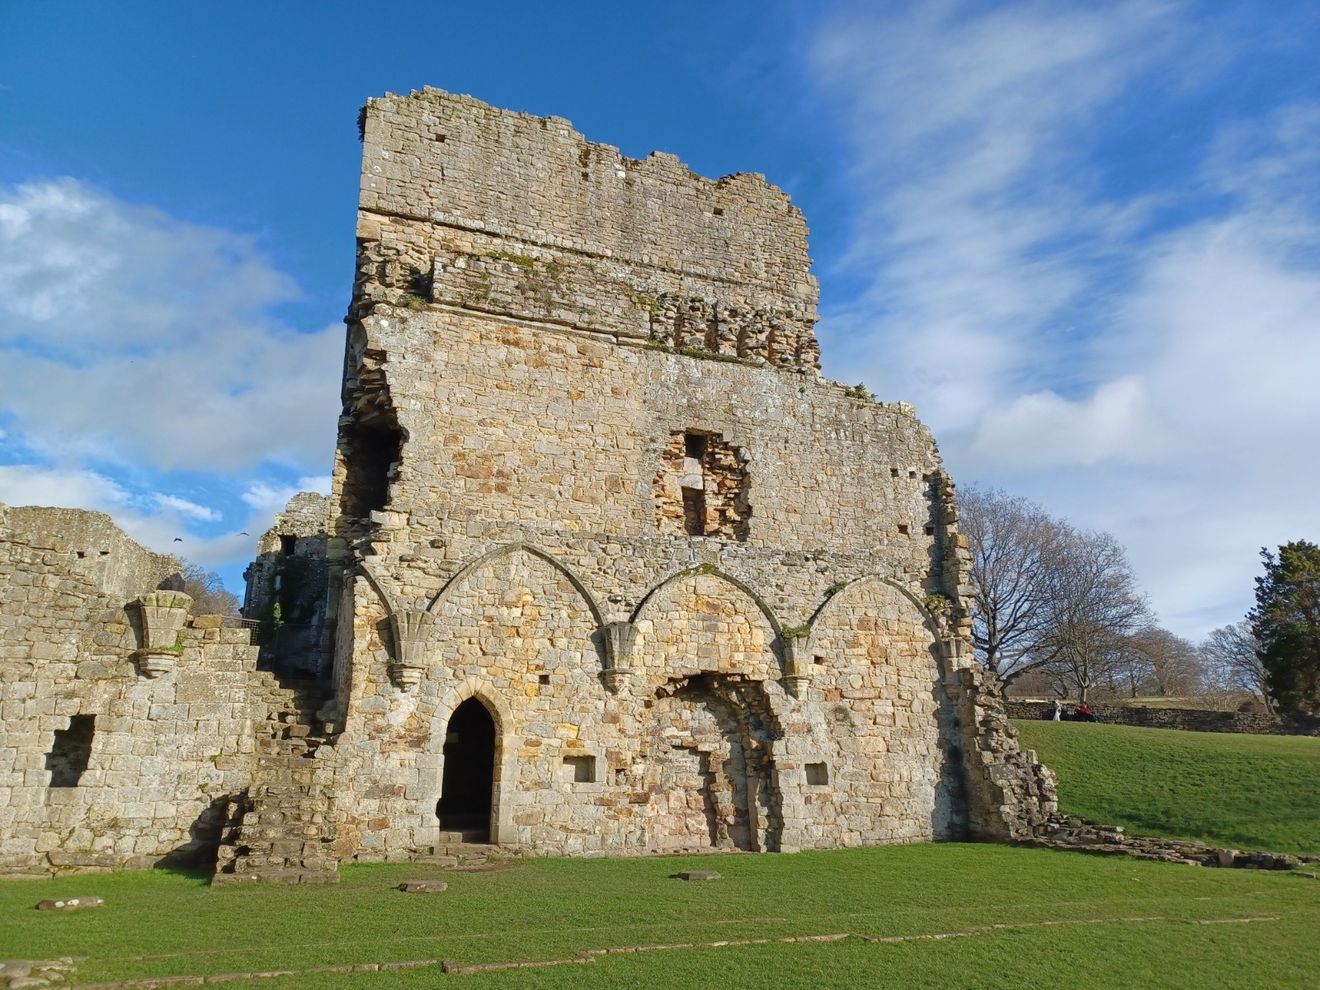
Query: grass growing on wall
1249	792
945	915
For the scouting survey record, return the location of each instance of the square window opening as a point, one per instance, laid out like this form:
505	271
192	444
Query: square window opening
543	679
580	769
818	774
288	544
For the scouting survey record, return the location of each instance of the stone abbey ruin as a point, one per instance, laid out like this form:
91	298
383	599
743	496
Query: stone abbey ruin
608	568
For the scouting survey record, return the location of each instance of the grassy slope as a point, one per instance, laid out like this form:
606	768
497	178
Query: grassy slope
1110	922
1251	792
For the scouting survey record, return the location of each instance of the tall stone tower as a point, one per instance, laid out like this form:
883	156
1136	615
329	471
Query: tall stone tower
614	569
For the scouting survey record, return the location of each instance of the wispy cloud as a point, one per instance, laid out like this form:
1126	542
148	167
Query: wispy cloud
1134	351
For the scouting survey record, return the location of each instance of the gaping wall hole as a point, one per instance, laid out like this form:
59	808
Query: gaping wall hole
543	679
930	530
580	769
70	752
701	487
694	512
902	529
288	544
818	774
694	445
369	452
469	775
818	659
893	472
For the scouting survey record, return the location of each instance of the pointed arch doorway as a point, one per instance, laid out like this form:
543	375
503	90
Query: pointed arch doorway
469	772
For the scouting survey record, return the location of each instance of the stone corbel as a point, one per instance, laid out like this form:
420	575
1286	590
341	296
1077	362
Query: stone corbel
620	644
412	629
163	614
797	663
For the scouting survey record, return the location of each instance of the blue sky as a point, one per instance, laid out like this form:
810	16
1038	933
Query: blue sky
1082	238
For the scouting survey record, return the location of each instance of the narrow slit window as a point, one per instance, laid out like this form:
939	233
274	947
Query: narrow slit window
70	752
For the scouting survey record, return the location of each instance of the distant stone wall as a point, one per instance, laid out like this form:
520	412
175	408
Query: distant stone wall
1189	719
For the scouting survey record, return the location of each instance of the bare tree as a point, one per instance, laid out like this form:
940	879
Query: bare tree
1231	655
1049	597
207	590
1173	665
1097	608
1014	544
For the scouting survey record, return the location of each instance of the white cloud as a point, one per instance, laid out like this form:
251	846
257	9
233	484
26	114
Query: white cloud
132	337
26	484
186	508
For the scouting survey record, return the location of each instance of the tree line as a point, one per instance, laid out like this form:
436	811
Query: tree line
1059	609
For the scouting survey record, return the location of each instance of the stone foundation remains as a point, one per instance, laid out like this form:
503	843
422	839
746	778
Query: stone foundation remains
607	567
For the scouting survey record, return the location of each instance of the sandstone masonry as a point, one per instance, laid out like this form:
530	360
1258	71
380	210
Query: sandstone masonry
607	568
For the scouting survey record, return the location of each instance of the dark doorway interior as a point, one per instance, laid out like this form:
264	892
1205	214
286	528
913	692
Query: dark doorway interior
465	793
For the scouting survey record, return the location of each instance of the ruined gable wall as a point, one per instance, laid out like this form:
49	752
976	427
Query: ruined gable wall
504	355
527	348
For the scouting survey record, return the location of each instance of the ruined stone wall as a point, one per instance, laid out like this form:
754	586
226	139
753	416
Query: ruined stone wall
286	588
112	753
550	350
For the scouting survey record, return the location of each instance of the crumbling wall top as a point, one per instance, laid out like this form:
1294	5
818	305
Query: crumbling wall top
87	543
454	161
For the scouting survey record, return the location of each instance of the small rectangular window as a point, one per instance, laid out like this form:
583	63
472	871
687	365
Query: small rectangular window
70	752
694	512
542	678
694	445
288	544
818	775
580	769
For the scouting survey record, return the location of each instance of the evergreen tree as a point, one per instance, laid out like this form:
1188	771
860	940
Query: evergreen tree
1286	623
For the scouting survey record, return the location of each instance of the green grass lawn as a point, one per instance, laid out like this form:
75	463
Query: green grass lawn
1092	921
1250	792
925	916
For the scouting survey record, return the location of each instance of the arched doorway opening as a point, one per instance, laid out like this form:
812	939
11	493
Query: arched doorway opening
469	775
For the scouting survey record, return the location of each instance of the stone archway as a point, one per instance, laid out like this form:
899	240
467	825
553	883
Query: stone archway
467	785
